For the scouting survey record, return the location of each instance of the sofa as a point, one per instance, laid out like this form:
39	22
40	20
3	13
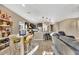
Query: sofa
64	45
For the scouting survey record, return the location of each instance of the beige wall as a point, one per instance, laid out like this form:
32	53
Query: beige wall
69	26
16	18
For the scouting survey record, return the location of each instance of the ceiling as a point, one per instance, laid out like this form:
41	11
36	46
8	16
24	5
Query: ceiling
54	12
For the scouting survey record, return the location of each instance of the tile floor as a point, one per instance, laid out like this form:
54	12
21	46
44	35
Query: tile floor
44	45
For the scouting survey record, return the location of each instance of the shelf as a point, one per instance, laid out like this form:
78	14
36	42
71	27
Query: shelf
5	51
4	43
5	20
4	25
5	30
3	38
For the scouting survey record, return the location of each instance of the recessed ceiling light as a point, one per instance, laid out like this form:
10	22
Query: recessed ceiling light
28	12
42	17
23	5
46	18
